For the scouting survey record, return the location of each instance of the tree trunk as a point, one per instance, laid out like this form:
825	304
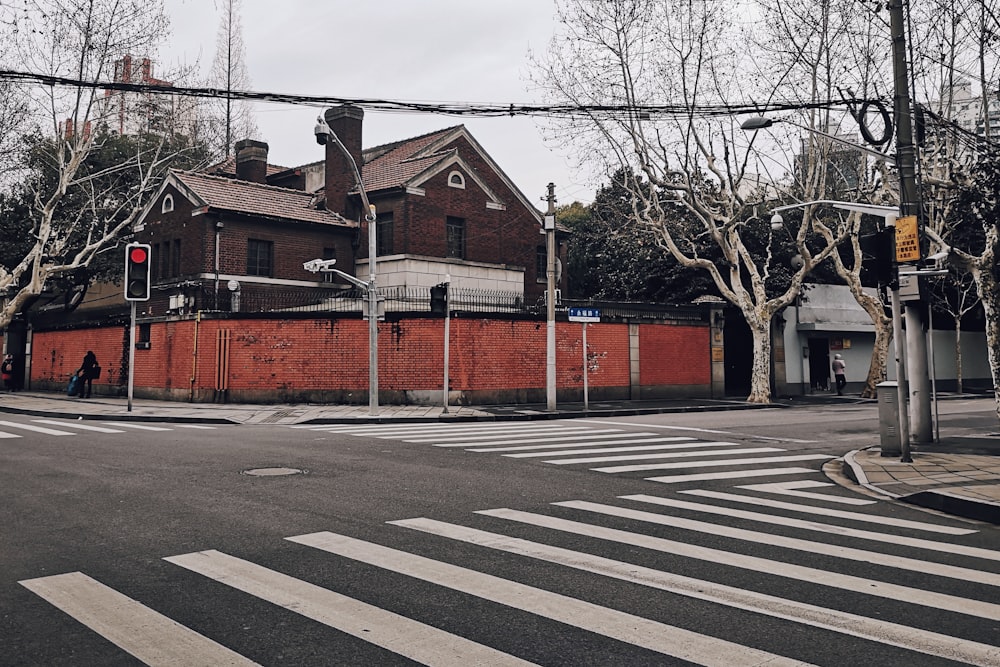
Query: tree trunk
991	305
760	377
958	354
879	360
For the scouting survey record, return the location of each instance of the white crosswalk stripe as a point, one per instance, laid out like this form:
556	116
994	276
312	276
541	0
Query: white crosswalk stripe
594	443
864	556
34	429
647	467
406	637
824	511
655	636
81	427
133	627
729	474
668	455
794	488
927	642
158	640
543	450
78	426
138	427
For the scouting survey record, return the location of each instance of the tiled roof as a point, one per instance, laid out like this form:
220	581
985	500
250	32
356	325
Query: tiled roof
257	199
393	165
228	168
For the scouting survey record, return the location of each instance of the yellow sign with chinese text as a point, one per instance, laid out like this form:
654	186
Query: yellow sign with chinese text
907	239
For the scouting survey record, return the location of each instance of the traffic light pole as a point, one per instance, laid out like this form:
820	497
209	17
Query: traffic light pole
909	204
131	356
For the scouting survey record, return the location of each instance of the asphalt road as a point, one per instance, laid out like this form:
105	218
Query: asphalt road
740	552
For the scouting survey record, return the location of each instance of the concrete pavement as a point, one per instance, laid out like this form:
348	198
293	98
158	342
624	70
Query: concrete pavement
959	475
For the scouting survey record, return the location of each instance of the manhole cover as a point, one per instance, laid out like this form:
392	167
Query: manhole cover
272	472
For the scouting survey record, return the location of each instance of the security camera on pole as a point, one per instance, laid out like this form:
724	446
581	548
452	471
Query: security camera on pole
137	287
325	135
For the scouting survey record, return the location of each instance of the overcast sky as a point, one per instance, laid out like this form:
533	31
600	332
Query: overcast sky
413	50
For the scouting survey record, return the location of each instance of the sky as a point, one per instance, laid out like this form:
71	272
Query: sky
412	50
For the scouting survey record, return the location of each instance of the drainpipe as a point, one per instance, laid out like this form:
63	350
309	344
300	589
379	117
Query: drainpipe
194	357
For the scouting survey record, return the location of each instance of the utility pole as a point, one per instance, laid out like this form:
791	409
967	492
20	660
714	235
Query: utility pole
909	204
550	300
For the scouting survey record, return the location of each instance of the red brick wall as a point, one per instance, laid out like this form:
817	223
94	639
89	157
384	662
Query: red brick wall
56	355
293	360
672	355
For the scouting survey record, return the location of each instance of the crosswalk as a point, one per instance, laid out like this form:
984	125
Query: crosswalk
601	447
63	427
825	571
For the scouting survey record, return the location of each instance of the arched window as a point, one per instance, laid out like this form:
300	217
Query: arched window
456	180
168	204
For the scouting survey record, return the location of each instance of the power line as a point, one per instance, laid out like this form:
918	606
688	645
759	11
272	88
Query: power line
641	112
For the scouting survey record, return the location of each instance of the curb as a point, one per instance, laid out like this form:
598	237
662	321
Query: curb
942	501
178	419
949	503
542	416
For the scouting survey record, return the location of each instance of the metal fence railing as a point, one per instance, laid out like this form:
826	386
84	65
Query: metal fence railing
268	299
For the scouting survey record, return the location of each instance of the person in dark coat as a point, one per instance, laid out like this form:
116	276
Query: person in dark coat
88	371
7	369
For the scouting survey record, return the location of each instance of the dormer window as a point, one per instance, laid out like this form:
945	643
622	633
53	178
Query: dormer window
168	204
456	180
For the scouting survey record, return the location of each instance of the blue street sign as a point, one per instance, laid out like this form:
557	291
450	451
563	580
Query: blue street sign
584	315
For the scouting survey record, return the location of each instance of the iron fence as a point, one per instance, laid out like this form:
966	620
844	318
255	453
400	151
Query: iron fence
268	299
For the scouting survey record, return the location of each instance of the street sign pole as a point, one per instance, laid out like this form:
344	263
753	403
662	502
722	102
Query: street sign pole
584	316
586	389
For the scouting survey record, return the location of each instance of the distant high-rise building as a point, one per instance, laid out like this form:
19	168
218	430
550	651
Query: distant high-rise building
132	112
959	104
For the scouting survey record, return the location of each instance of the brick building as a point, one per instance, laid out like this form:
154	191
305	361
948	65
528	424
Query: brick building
244	228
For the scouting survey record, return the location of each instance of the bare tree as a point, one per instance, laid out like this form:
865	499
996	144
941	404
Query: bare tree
826	49
641	52
958	53
80	40
232	119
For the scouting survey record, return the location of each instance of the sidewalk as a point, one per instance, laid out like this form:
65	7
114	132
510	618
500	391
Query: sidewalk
959	475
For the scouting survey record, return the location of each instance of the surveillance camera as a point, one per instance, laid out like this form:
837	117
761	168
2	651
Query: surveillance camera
777	221
322	131
938	256
316	265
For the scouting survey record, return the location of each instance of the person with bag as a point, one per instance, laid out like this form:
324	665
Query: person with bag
89	371
7	371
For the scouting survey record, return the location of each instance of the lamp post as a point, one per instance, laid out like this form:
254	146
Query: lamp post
325	134
889	214
764	122
916	357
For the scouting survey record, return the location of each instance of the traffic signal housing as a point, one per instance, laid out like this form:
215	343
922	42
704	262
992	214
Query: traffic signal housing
439	299
137	271
880	248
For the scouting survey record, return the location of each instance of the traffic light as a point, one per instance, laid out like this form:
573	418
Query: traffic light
439	299
137	272
880	247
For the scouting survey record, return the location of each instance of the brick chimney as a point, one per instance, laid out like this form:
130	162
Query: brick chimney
251	161
346	123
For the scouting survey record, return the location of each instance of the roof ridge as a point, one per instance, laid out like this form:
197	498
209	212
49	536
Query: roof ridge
385	148
239	181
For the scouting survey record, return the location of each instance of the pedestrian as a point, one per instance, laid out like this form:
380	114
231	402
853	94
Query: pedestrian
7	371
840	373
89	370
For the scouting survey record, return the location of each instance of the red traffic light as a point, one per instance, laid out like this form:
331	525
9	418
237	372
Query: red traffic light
137	272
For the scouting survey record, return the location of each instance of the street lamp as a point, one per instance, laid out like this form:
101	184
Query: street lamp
889	213
916	358
325	134
763	122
